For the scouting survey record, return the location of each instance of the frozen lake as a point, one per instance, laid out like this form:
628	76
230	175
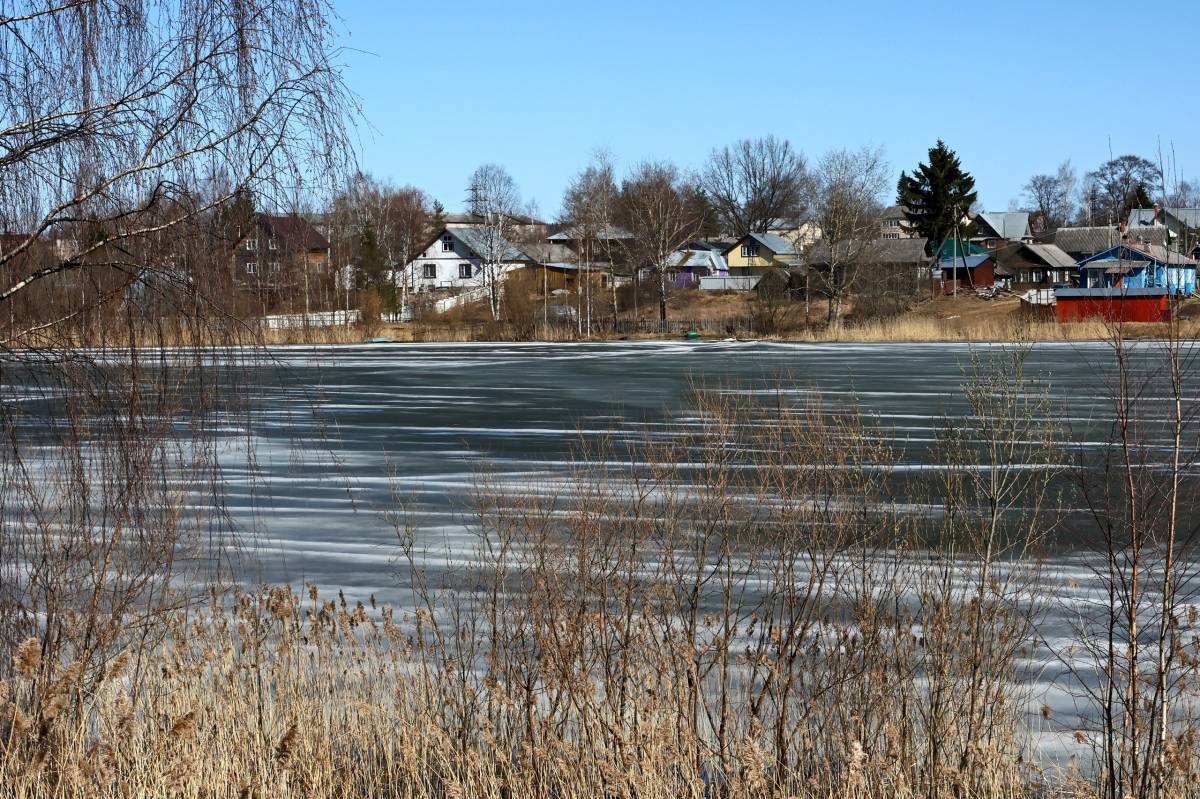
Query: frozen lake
342	432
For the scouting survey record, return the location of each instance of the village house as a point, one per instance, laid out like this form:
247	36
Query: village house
994	229
1084	242
1036	265
1142	266
454	260
1180	227
280	253
893	224
967	272
755	253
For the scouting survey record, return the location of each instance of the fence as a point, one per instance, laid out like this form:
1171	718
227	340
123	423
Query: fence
739	283
306	320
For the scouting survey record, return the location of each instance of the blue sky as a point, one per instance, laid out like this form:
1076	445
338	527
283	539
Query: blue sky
1015	87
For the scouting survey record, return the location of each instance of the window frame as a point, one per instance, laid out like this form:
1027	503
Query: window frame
429	271
465	271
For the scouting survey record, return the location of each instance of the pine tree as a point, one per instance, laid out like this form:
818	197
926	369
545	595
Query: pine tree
937	195
437	219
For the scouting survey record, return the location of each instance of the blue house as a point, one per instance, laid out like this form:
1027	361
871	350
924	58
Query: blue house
1140	266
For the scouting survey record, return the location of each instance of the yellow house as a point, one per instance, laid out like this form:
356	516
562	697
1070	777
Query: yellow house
755	253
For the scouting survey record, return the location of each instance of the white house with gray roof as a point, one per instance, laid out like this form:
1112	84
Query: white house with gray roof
456	258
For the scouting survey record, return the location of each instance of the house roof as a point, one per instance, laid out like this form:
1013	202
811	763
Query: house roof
605	233
547	252
1148	217
1091	240
969	261
1137	255
1007	225
1048	254
1051	255
692	259
776	244
1115	292
876	251
476	239
468	219
900	251
295	231
893	212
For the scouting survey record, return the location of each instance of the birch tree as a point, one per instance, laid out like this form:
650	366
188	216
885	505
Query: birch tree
663	211
492	195
590	209
847	198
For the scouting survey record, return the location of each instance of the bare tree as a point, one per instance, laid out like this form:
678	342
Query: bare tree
397	220
1121	184
1053	195
663	212
492	195
1185	195
590	209
848	189
755	182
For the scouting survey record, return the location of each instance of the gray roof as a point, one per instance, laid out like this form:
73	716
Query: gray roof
893	212
606	232
776	244
1008	225
692	259
477	240
1091	240
549	252
875	251
1146	217
900	251
1052	255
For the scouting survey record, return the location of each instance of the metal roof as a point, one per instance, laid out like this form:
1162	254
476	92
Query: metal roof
1148	217
605	233
1009	224
776	244
479	241
1116	291
1052	254
1139	253
1091	240
969	261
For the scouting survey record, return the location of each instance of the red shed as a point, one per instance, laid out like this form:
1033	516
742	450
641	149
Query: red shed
1112	305
967	273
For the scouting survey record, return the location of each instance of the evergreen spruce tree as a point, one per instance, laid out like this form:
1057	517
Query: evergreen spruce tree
371	263
437	219
936	195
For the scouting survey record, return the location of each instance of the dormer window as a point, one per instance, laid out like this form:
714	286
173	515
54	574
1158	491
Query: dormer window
749	250
447	243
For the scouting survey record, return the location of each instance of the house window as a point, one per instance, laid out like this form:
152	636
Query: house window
464	271
251	267
749	250
272	244
274	266
447	243
891	235
251	244
429	272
